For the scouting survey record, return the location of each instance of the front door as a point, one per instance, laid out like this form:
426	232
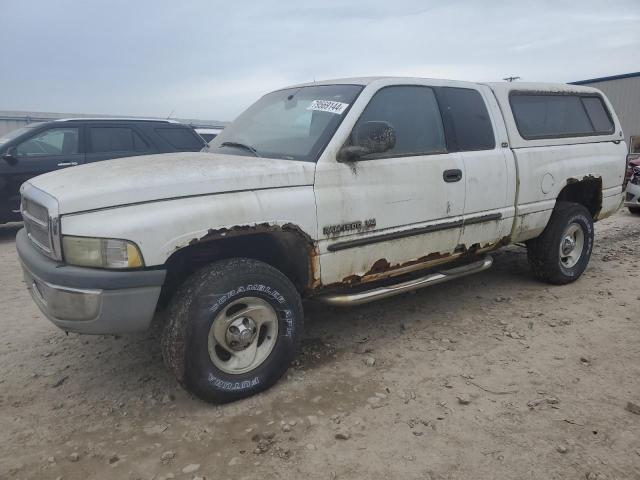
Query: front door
46	151
394	209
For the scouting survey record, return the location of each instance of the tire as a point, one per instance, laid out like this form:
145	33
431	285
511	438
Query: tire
192	346
545	254
634	210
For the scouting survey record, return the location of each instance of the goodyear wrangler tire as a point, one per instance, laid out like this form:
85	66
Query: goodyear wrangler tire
233	329
561	253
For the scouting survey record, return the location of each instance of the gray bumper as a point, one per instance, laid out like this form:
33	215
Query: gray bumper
87	300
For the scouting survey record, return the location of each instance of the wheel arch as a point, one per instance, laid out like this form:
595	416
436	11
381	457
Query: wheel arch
285	247
586	191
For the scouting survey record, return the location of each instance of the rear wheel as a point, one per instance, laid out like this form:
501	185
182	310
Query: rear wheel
233	329
635	210
561	253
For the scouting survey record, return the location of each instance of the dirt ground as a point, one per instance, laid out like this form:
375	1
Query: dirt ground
496	376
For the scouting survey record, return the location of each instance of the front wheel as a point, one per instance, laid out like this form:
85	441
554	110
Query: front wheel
634	210
561	253
233	329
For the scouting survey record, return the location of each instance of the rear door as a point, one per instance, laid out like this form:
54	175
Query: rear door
46	150
112	140
481	142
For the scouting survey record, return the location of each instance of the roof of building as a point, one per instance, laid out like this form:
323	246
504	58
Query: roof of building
606	79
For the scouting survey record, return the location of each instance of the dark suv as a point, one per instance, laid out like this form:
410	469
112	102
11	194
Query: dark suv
43	147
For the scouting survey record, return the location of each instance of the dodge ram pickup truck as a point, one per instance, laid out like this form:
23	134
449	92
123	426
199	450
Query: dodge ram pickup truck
345	191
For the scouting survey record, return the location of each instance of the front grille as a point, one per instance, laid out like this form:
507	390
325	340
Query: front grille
39	219
36	223
37	211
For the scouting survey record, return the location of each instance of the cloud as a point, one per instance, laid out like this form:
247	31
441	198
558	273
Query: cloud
212	59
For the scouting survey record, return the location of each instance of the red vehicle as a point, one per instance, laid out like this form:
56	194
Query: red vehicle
633	160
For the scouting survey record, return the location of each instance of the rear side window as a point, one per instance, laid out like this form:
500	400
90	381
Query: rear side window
414	114
549	115
116	139
598	114
468	118
180	138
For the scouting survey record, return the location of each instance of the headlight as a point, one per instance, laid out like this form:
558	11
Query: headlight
101	252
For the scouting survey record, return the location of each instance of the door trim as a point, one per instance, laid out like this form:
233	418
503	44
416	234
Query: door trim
360	242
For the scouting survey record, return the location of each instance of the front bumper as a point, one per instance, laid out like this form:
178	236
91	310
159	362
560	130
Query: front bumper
632	196
88	300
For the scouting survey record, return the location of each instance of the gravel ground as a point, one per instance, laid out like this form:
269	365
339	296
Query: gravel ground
495	376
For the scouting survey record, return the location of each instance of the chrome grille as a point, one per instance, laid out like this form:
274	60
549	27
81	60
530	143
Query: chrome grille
36	225
35	210
39	212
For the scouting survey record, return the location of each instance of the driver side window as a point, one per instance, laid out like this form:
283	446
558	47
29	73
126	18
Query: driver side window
55	141
413	113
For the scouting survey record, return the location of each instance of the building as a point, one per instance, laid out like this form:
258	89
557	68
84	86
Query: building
624	93
11	120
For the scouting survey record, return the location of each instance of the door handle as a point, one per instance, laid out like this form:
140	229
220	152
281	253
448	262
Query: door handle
454	175
67	164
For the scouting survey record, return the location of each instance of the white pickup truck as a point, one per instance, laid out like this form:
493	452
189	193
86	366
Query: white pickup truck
347	191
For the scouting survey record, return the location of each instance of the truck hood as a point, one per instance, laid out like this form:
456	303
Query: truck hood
166	176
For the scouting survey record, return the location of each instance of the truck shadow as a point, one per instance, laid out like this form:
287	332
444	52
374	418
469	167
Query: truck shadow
332	329
8	232
134	362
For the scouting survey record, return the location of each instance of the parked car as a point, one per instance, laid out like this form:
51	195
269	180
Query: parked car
345	191
43	147
632	194
208	134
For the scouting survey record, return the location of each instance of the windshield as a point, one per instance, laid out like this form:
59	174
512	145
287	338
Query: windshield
16	133
292	124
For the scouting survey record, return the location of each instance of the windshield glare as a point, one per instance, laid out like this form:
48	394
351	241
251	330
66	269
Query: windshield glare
292	124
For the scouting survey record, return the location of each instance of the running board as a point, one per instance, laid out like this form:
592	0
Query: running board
348	299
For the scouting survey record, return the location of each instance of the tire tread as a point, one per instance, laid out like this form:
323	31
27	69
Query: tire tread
544	266
175	329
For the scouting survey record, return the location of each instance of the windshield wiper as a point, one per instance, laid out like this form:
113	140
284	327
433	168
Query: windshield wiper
240	145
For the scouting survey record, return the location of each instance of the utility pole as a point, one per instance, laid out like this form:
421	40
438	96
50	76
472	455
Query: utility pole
511	79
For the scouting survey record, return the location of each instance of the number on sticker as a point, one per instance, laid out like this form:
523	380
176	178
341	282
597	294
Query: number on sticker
328	106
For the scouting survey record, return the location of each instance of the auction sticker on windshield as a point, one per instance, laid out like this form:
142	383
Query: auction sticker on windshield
328	106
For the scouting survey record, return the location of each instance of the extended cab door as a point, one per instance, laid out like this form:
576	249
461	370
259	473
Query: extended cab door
475	129
393	209
46	150
112	140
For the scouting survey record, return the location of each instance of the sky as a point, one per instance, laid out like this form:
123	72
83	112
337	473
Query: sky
210	60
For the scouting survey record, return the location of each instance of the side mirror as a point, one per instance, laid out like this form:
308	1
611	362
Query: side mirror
11	156
369	138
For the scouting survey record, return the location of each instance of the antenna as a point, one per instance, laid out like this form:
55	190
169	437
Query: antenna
511	79
169	116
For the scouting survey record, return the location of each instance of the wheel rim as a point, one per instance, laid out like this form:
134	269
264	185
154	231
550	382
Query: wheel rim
571	245
243	335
